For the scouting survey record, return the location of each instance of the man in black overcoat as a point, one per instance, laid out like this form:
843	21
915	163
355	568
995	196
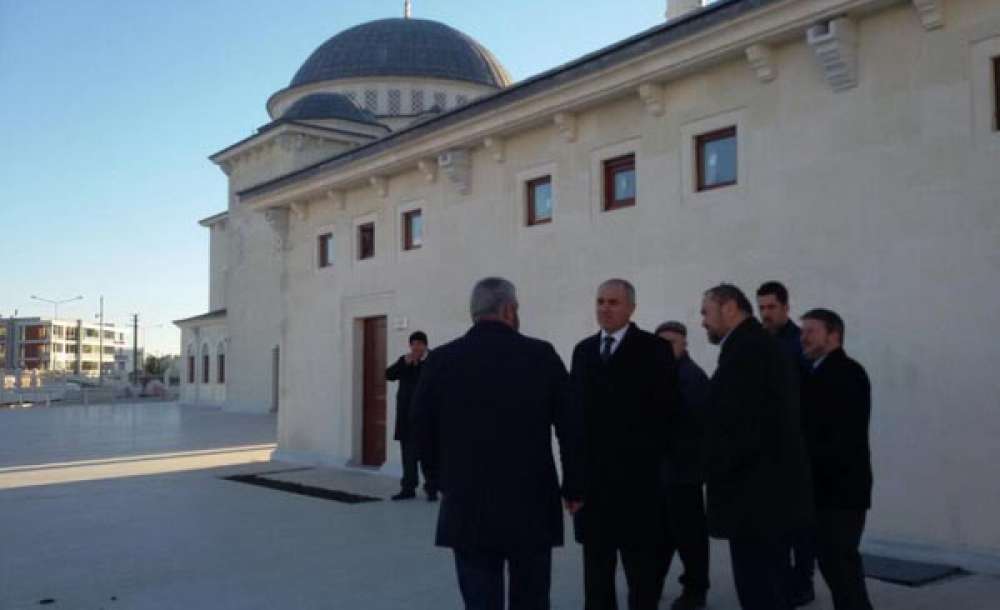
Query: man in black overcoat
682	476
625	383
485	410
836	401
773	306
406	371
756	471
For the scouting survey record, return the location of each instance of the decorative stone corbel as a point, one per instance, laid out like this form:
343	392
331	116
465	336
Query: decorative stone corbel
653	98
566	124
277	219
380	184
931	13
338	198
300	209
495	146
428	168
835	44
761	60
456	164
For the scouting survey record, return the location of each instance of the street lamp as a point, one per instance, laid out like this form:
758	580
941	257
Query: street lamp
56	304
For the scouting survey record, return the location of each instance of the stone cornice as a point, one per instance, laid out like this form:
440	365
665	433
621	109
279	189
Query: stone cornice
774	22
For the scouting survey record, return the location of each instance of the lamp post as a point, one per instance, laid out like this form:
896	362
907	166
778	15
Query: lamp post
56	303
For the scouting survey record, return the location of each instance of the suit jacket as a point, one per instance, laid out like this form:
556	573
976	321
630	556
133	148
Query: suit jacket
683	467
836	407
757	474
408	377
484	411
628	406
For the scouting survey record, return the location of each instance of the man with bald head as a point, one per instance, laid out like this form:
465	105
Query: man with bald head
625	382
756	472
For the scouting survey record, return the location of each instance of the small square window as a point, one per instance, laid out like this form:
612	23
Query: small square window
715	159
539	198
413	229
619	182
371	100
366	241
325	244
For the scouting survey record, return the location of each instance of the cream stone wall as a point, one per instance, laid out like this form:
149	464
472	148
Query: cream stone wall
881	201
218	267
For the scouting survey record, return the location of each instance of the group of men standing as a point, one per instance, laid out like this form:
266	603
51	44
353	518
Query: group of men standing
771	453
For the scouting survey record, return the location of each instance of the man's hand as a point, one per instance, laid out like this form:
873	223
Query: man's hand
572	506
410	358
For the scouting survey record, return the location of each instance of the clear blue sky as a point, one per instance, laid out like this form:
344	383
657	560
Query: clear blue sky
110	107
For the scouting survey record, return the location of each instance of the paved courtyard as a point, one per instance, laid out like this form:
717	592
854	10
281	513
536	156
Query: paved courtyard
125	507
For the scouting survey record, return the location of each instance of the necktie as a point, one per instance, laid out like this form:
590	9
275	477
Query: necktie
606	349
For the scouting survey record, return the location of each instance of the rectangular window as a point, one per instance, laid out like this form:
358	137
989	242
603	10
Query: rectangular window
395	101
325	244
440	100
110	335
461	100
222	368
996	93
190	369
416	101
539	198
366	241
413	229
715	159
371	100
619	182
57	331
205	362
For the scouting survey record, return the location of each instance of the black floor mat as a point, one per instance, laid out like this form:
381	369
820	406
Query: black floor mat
303	490
908	573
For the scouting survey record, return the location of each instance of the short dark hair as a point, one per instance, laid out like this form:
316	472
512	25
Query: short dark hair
672	326
777	289
830	319
419	336
724	293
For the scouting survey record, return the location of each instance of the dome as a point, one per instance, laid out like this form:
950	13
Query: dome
402	47
327	106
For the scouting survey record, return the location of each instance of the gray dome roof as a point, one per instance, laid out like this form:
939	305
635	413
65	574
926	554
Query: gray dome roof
327	106
402	47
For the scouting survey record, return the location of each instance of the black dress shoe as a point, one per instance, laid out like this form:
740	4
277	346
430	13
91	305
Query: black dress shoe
406	494
689	601
803	596
432	496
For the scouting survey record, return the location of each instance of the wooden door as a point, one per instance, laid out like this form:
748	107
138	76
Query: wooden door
373	430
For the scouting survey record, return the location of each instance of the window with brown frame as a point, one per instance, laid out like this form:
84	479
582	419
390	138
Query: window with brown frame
413	229
222	368
715	159
205	363
996	93
366	241
619	182
539	199
325	244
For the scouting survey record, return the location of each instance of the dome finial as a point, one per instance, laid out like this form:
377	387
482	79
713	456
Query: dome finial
407	9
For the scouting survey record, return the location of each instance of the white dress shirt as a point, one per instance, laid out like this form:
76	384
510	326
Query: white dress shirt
618	335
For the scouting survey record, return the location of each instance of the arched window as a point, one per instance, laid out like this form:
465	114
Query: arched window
206	363
220	367
190	363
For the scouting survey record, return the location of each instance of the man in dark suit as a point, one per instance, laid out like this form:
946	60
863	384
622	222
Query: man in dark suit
836	400
682	476
406	371
625	383
772	304
484	410
756	471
